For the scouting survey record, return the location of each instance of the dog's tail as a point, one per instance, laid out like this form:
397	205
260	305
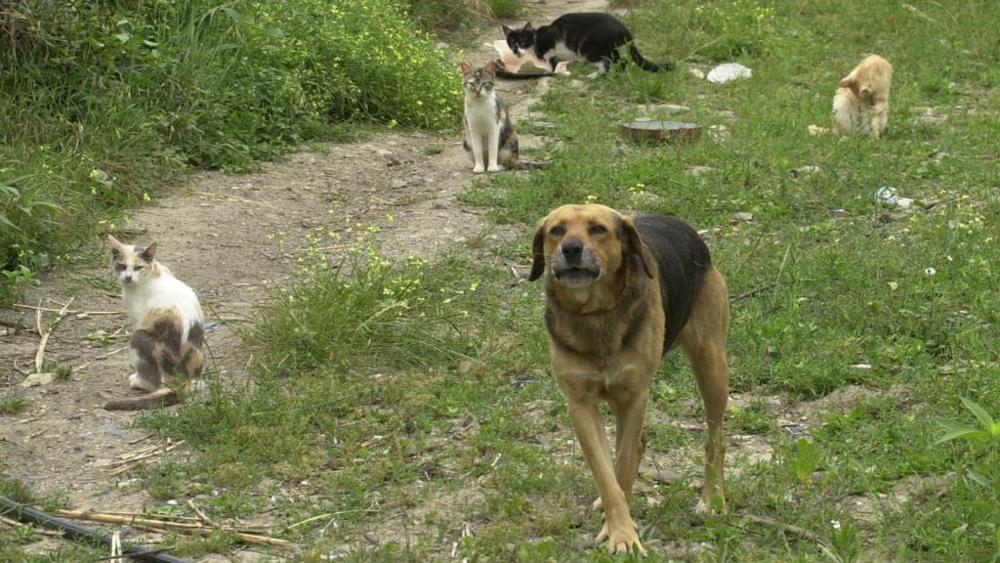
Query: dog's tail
646	64
162	397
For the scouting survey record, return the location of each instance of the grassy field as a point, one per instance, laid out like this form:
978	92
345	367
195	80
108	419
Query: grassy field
407	408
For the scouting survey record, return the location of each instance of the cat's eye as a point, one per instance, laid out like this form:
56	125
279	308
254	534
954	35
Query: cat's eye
120	267
597	230
557	231
138	267
487	86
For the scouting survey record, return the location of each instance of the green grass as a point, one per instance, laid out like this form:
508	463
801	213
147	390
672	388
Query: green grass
410	400
104	103
12	404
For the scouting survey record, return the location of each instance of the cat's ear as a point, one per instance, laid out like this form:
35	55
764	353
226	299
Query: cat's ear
466	69
149	254
506	30
491	68
116	246
527	26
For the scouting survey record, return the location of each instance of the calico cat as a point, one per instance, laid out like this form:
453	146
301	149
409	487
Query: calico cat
168	327
591	37
861	103
490	138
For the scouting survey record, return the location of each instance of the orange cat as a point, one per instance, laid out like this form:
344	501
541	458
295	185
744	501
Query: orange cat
861	104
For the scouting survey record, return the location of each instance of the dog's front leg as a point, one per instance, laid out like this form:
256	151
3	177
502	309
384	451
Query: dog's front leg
619	529
629	409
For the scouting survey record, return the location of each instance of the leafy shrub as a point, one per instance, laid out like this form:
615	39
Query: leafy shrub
104	101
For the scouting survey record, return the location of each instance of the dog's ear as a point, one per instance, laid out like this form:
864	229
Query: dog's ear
846	82
632	248
538	253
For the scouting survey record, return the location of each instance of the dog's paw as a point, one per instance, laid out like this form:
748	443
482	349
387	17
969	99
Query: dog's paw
597	505
709	507
621	539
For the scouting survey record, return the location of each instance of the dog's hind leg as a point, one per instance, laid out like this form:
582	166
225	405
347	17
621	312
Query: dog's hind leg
704	343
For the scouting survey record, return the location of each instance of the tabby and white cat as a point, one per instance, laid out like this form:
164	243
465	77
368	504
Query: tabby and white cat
168	327
591	37
490	138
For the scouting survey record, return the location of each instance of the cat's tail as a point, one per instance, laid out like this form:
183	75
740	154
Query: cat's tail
646	64
529	165
162	397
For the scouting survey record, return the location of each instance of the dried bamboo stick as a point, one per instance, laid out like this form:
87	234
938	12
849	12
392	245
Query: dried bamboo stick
191	528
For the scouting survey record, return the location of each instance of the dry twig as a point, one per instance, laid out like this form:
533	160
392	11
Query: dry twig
183	527
68	312
789	529
40	354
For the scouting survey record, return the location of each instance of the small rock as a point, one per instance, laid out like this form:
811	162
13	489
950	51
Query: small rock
696	72
742	217
719	132
803	170
38	379
840	213
371	538
697	170
542	124
112	430
398	183
727	72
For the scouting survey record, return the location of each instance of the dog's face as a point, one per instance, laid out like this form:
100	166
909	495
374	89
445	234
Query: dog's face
584	244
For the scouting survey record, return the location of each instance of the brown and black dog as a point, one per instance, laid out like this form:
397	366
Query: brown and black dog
620	292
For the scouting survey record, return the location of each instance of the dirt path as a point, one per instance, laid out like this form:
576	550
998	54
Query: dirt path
235	239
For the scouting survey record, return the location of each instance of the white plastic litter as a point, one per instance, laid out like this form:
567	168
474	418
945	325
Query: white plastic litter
887	195
727	72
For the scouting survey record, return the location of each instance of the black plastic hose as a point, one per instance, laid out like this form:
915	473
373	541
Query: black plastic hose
71	530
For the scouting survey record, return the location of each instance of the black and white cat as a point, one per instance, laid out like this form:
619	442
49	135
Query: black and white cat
592	37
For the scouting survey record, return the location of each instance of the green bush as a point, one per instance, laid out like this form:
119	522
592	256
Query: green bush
104	101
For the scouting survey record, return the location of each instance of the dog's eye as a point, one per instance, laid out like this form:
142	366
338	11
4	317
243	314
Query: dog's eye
557	231
597	230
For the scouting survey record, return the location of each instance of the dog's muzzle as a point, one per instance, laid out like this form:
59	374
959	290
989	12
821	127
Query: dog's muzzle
575	264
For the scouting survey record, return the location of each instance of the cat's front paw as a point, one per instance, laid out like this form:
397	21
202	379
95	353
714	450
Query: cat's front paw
495	168
478	169
135	381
